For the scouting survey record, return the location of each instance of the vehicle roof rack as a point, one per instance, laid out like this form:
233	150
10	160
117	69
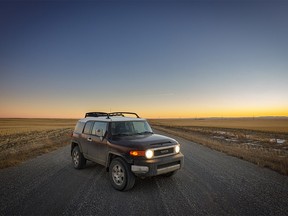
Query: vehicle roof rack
123	114
96	114
104	114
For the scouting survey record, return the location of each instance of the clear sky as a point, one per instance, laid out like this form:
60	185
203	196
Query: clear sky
159	59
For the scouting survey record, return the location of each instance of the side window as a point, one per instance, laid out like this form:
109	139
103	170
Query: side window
79	127
87	128
99	126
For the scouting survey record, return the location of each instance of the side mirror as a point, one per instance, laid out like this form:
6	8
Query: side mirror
100	133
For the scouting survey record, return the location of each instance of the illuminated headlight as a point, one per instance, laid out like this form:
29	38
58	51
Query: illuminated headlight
149	154
177	148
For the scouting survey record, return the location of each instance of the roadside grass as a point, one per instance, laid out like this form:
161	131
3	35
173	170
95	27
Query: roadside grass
22	139
261	141
20	125
256	124
266	148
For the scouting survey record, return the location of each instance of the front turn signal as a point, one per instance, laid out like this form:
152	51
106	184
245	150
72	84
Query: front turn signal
137	153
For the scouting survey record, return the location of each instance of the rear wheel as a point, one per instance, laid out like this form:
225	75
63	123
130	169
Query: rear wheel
77	158
120	175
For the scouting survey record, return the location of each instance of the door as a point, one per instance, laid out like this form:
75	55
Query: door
86	138
97	148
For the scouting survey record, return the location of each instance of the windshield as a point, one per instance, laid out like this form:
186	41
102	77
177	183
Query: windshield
130	128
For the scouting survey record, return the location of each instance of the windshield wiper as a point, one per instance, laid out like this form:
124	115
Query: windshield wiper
145	132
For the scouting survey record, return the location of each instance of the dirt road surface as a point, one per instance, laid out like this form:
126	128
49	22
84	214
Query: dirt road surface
211	183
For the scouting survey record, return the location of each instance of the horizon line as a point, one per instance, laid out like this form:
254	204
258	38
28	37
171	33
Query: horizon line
196	118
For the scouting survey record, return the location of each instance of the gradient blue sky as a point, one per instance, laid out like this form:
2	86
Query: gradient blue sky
160	59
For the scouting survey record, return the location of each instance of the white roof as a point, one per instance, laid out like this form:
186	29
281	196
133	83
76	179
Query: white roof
111	119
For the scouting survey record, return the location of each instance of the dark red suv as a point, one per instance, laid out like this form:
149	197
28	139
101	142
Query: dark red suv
126	146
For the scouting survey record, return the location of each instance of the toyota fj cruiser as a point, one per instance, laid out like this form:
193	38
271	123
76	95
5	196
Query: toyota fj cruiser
126	146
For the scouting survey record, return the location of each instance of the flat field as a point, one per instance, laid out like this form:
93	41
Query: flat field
257	124
21	139
263	141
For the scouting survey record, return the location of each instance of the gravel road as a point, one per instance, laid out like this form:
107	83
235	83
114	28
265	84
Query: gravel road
211	183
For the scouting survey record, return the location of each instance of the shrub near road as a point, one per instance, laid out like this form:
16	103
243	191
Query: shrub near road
21	139
261	141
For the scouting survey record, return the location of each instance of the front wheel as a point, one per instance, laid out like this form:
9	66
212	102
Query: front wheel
120	175
77	158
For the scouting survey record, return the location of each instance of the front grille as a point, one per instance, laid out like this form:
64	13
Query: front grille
163	152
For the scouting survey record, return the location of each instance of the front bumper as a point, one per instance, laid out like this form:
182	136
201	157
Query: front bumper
157	166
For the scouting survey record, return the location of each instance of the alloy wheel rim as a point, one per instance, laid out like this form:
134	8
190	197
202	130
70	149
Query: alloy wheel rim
118	175
76	158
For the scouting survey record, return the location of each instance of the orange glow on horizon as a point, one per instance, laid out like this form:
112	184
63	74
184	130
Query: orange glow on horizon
145	110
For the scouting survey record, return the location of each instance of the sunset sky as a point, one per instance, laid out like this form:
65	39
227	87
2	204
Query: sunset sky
159	59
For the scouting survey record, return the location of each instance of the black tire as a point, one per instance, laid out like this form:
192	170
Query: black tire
78	159
120	175
169	174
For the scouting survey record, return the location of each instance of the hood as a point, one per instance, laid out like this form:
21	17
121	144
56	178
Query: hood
144	141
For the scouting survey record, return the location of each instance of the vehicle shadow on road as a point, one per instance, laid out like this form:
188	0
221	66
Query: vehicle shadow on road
154	182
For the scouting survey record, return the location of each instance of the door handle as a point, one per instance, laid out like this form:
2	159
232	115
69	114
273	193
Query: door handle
89	139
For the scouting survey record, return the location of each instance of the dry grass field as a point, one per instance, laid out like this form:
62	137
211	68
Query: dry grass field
262	141
21	139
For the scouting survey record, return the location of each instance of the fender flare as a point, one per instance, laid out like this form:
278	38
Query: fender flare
111	155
